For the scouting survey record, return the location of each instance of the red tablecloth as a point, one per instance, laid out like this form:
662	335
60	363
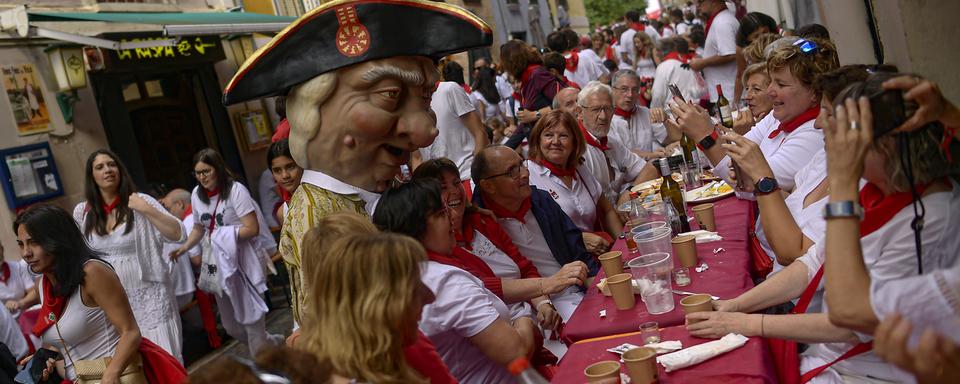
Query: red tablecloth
727	277
750	363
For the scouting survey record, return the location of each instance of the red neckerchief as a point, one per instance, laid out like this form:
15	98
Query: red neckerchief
573	60
879	209
110	207
466	88
463	259
676	56
187	212
527	73
557	171
626	115
4	272
51	310
637	27
569	82
284	195
792	125
601	144
609	52
503	213
213	192
706	29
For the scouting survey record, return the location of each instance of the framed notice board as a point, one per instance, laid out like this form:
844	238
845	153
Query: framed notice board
29	174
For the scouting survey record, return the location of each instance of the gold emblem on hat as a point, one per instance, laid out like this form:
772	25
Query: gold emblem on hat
353	39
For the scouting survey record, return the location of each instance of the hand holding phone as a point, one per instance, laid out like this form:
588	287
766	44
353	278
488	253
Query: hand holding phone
676	92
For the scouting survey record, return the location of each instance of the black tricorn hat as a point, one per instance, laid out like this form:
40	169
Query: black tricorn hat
346	32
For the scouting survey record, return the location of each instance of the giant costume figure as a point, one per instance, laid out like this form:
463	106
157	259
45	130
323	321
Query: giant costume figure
358	76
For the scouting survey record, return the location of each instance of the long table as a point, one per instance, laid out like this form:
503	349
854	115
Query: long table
750	363
728	276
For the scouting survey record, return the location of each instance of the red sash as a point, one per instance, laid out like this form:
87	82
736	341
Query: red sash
573	61
503	213
792	125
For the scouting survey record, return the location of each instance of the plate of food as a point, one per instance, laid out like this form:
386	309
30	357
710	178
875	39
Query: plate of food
710	192
654	185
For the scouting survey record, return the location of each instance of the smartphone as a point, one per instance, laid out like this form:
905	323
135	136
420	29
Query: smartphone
888	110
676	92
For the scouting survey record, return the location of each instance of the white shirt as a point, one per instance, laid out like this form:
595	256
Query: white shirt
626	46
682	28
589	68
267	188
889	254
327	182
786	153
229	211
502	266
181	272
652	32
671	72
810	219
721	41
528	237
939	308
455	142
638	133
462	309
490	110
579	201
503	86
20	280
626	165
646	68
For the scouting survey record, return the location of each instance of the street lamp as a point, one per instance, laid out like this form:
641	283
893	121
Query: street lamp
67	63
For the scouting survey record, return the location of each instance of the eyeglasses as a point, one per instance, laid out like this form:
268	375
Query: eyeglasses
630	91
596	110
514	171
203	173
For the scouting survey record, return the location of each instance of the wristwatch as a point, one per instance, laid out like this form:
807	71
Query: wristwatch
708	142
765	186
538	114
842	209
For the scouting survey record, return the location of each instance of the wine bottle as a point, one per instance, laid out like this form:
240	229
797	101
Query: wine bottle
723	108
670	191
689	150
524	373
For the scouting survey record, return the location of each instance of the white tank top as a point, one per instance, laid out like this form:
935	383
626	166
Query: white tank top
87	333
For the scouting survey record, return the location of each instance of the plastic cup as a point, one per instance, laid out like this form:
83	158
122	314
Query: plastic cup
697	303
653	241
602	371
641	365
685	249
652	273
633	223
621	287
647	227
612	263
705	218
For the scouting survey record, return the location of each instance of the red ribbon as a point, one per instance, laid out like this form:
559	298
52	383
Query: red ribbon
573	60
504	213
792	125
108	208
557	171
601	144
879	209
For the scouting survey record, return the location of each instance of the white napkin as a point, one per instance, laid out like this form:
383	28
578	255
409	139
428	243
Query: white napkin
703	236
700	353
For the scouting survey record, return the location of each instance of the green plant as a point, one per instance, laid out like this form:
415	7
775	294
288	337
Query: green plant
604	12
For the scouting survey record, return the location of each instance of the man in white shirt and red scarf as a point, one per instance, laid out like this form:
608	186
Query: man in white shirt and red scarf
719	62
632	123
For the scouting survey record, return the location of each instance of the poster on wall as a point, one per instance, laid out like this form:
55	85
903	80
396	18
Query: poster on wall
22	83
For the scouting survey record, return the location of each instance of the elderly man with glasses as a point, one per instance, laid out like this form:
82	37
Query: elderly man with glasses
534	221
633	124
610	161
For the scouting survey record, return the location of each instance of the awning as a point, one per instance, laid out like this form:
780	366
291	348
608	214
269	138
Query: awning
85	27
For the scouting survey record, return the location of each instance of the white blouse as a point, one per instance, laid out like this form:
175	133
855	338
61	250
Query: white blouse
786	153
462	309
20	279
579	201
890	255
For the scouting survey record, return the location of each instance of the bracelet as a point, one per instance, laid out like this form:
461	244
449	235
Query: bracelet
761	325
547	301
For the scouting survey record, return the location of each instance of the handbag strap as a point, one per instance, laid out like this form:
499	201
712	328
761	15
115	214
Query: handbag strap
856	350
63	342
808	293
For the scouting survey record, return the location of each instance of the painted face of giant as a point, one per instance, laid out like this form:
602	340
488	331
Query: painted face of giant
377	114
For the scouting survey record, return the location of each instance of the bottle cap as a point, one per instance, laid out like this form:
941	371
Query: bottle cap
518	365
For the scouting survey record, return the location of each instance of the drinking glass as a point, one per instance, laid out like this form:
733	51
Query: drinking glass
652	272
650	332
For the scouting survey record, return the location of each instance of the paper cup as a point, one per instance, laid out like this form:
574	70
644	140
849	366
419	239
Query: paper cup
612	263
621	286
641	365
602	371
685	249
697	303
704	215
